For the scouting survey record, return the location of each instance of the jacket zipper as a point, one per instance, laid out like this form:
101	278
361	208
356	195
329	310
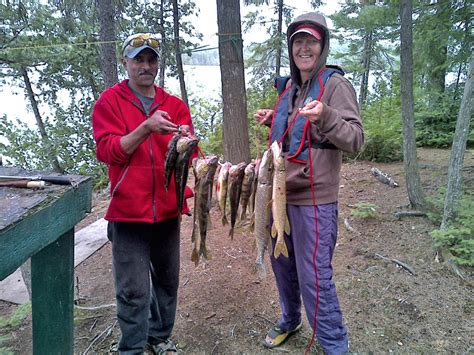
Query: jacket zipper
152	161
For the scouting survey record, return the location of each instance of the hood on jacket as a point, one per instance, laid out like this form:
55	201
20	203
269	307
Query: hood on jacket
315	19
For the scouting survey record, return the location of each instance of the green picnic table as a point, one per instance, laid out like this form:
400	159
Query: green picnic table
39	224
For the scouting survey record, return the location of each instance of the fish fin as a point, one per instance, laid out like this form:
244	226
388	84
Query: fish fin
243	215
195	257
274	231
287	226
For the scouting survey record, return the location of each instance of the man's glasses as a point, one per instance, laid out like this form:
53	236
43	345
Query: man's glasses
140	41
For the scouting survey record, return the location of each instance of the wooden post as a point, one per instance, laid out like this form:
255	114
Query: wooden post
52	273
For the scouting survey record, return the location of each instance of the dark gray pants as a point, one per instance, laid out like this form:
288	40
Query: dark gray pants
296	276
142	253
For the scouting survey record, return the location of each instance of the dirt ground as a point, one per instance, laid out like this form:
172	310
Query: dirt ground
224	309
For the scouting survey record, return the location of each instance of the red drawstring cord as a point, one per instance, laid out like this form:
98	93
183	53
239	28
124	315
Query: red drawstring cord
200	152
308	348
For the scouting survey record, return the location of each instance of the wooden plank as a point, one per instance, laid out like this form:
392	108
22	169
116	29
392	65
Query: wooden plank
52	284
42	225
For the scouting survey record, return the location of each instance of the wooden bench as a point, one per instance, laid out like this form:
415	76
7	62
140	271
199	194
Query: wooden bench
40	224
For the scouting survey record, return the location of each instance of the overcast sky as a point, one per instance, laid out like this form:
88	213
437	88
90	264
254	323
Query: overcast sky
206	22
14	106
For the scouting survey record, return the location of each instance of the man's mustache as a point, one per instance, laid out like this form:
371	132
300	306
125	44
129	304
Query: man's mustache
145	73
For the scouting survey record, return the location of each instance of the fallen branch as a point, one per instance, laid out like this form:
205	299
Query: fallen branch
401	214
444	255
107	331
383	177
348	226
398	262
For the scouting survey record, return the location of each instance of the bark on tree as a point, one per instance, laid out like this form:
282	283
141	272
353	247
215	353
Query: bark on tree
364	85
108	58
236	138
39	122
415	192
177	49
458	148
438	53
161	75
280	39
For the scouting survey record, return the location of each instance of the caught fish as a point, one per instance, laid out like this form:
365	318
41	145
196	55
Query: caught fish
200	168
204	172
170	159
221	190
247	186
236	175
185	147
281	225
263	198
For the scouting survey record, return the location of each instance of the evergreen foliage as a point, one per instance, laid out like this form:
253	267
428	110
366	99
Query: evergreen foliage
459	236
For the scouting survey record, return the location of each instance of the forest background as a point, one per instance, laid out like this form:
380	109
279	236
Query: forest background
63	54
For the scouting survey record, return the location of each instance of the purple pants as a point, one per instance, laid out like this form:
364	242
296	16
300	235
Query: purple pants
296	276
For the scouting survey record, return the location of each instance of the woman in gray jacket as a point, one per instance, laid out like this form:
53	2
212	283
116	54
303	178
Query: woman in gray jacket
315	119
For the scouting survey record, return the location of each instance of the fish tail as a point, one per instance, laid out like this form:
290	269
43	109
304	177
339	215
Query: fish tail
261	270
243	215
195	257
280	248
203	251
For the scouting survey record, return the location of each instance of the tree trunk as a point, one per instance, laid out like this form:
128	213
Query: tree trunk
280	39
39	121
364	85
456	159
415	192
177	49
108	58
438	53
161	80
236	138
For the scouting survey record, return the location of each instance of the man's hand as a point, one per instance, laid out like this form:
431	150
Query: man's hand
312	111
160	122
264	116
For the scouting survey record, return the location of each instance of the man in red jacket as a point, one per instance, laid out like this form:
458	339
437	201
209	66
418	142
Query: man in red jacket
133	122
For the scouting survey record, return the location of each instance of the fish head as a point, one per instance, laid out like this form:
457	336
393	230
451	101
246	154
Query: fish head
265	170
201	168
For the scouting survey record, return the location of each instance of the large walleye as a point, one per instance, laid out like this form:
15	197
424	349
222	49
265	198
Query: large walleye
170	159
247	186
185	146
262	215
236	175
221	189
281	225
204	172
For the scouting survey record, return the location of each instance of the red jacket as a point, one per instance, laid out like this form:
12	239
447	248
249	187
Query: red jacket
137	186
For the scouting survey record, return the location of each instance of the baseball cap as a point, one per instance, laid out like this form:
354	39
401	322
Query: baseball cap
312	30
135	43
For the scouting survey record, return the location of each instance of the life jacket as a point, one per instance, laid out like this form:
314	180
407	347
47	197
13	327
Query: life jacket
298	142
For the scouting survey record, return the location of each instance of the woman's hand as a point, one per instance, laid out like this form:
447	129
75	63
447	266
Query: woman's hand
264	116
312	111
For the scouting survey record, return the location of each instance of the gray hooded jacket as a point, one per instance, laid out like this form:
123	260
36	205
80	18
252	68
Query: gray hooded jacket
339	124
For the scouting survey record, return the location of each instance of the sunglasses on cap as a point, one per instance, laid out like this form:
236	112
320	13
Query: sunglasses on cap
141	40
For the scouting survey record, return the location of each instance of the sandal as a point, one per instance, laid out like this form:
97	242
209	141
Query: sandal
165	347
279	336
